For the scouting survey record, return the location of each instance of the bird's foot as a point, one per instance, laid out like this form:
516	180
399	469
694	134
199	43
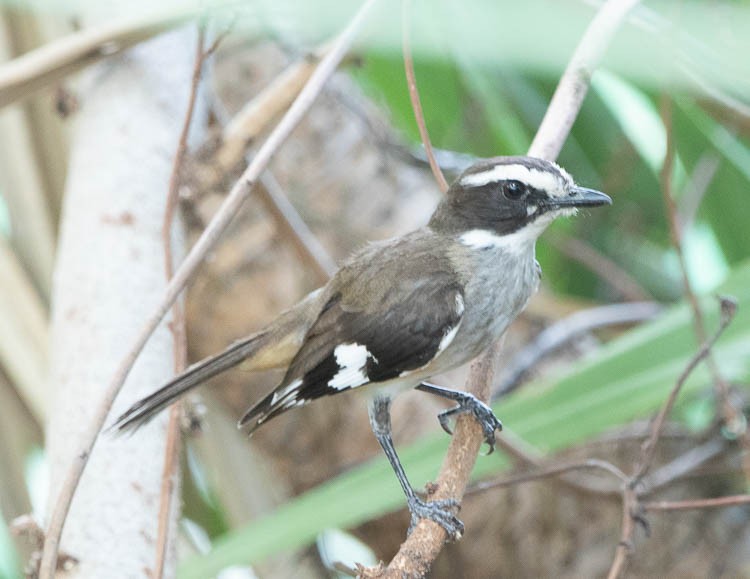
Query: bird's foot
440	511
482	413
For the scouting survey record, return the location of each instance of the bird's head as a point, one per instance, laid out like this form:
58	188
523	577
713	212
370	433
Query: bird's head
510	195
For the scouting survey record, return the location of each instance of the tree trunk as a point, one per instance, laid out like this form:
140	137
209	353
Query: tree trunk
108	277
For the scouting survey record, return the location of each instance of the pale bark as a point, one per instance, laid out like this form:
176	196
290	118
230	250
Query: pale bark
109	274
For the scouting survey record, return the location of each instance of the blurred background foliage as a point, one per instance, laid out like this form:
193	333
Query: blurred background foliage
486	72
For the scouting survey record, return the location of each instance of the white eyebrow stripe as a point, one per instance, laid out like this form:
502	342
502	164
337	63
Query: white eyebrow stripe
537	179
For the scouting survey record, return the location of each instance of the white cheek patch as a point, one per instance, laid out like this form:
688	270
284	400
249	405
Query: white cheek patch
530	210
546	181
352	361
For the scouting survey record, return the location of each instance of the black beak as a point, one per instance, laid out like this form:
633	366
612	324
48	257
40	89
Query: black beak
580	197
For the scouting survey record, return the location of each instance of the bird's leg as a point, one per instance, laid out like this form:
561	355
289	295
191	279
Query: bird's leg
467	404
438	511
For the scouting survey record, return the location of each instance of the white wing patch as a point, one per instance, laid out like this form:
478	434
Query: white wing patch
352	361
543	180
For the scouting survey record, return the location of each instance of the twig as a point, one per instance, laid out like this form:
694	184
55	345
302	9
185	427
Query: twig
631	503
557	335
172	447
420	549
287	218
728	310
239	193
256	115
416	103
426	540
45	65
625	546
550	471
685	463
295	229
617	278
733	419
730	501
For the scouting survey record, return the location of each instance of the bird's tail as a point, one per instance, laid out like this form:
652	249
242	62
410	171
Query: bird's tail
273	347
146	408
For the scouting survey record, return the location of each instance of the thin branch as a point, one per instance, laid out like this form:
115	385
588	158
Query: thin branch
294	229
290	223
625	546
684	464
172	447
550	471
45	65
256	115
237	196
730	501
416	103
733	418
426	540
728	310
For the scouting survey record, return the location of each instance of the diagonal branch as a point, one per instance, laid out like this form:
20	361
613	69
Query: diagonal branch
41	67
237	196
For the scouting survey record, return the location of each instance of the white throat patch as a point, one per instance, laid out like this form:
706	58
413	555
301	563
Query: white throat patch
516	242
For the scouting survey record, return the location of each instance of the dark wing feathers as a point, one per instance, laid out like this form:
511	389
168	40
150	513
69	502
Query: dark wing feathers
381	341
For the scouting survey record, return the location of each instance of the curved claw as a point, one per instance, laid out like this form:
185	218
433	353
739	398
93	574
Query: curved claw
482	414
444	422
438	511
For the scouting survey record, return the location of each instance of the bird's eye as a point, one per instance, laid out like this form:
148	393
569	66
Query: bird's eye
514	190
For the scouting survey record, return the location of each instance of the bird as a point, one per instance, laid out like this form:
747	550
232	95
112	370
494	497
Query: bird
403	310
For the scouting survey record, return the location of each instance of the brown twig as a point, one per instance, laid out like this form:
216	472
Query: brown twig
733	418
172	447
423	545
730	501
728	310
295	229
416	103
184	273
682	465
631	504
550	471
256	115
625	546
426	540
45	65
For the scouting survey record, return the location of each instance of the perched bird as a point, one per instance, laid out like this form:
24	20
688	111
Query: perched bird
402	310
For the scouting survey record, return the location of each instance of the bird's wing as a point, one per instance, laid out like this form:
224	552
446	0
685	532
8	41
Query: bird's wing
347	347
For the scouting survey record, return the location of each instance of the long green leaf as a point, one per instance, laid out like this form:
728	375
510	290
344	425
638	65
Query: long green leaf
629	377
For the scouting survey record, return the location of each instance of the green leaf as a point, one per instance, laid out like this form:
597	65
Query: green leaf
725	204
627	378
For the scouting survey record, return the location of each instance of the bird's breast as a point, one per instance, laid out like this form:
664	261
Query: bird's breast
496	291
